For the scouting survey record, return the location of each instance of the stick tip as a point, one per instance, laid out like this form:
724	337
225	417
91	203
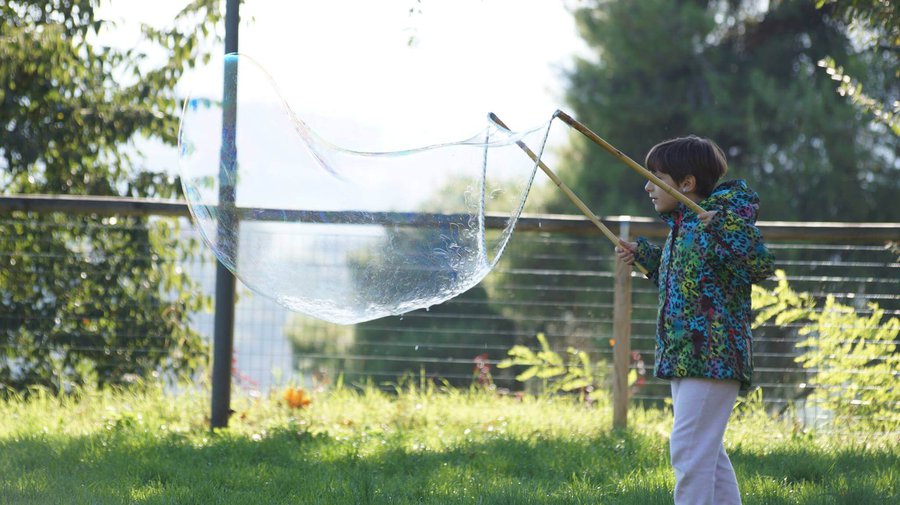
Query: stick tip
496	120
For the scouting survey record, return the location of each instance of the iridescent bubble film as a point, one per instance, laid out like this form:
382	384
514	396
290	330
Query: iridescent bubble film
345	235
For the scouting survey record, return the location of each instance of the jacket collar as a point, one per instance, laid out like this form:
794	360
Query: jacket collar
722	197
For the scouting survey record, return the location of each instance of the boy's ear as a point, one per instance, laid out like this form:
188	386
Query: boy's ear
688	184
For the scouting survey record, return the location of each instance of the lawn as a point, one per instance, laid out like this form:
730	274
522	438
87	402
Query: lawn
411	446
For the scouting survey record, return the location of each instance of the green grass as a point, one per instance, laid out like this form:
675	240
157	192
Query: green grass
414	447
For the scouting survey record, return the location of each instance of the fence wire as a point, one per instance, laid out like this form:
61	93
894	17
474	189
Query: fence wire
557	284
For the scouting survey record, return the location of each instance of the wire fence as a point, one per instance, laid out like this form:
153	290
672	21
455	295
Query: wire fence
556	278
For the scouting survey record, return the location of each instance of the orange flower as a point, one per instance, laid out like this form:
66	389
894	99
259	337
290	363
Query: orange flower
297	398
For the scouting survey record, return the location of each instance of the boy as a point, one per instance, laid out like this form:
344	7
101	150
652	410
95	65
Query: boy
704	273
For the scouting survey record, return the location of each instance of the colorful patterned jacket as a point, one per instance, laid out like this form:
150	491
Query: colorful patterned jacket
704	274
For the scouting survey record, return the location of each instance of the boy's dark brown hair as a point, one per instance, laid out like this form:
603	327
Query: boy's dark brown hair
691	155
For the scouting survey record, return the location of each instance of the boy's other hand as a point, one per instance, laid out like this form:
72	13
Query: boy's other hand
706	217
625	251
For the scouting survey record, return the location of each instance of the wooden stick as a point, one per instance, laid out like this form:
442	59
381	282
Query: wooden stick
584	130
568	192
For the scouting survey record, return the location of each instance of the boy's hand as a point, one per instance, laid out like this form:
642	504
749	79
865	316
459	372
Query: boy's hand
706	217
625	251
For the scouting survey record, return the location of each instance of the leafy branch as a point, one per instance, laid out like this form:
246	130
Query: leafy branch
558	374
853	357
850	87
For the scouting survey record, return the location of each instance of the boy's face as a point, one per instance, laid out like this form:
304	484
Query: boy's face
662	201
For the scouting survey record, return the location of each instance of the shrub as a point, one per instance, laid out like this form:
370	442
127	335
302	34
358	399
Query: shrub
854	356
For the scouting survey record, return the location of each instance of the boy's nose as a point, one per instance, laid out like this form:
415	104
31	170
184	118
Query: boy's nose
649	187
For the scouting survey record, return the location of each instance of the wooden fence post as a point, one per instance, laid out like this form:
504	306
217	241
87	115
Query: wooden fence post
621	336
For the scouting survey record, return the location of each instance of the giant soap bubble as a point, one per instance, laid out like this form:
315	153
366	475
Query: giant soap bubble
346	235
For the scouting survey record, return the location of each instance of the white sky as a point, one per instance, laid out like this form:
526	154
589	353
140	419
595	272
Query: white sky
346	67
349	63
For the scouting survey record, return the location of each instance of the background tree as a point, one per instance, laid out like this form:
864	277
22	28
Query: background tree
458	331
319	349
743	77
83	300
877	25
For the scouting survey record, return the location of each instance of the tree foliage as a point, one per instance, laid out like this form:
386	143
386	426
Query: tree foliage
881	17
457	330
877	24
83	300
853	356
746	78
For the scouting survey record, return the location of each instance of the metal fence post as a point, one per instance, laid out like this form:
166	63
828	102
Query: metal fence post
223	338
621	335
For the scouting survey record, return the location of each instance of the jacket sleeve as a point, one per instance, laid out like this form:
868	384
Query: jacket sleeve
648	255
737	244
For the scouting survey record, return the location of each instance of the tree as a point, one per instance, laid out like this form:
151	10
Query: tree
879	22
82	302
748	80
458	331
318	348
881	18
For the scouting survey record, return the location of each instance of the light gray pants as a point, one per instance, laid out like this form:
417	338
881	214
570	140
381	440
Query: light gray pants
703	472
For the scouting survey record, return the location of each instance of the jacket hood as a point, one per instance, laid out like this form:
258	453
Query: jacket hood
734	195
